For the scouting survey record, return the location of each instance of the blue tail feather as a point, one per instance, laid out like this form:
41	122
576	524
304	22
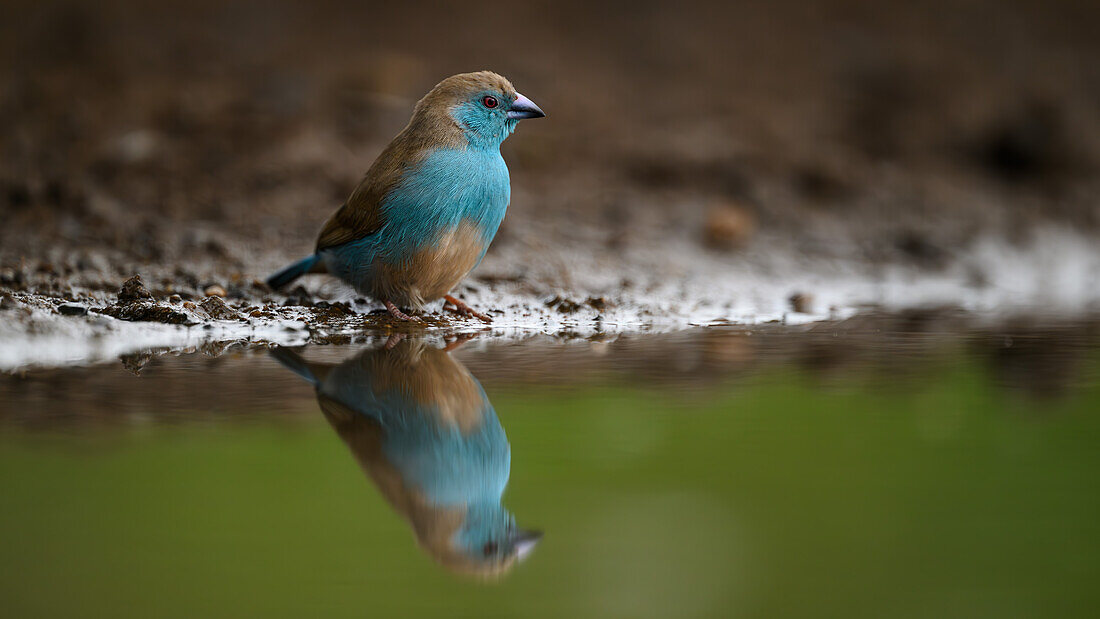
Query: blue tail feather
295	363
309	264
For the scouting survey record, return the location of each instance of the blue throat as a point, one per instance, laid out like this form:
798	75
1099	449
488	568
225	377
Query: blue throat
484	521
449	187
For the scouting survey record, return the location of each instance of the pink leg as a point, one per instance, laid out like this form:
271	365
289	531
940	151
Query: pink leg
459	341
462	309
398	314
393	340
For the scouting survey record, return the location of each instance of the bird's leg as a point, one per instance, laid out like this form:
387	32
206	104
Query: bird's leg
398	314
459	341
462	309
393	340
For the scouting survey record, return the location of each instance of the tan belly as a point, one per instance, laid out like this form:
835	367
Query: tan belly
432	272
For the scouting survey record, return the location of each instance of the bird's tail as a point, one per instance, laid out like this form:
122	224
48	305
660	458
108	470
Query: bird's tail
309	264
294	362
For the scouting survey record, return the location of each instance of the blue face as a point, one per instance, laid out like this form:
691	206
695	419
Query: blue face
488	533
484	118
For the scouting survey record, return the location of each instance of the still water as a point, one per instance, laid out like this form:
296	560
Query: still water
902	468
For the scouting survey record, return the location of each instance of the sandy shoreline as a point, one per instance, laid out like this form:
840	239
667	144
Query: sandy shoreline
603	296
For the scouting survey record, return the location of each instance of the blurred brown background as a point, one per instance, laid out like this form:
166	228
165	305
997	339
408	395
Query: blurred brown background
224	133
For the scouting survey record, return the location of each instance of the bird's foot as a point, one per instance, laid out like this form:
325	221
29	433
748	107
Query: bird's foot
398	314
459	340
461	309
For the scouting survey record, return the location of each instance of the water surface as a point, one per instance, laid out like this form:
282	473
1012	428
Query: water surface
904	468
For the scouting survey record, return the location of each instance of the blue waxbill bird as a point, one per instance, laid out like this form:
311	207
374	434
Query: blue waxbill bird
422	428
430	205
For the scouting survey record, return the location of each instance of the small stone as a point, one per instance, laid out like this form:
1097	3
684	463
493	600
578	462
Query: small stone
801	303
72	309
598	303
145	311
214	290
728	226
563	305
133	289
175	299
135	146
217	309
134	362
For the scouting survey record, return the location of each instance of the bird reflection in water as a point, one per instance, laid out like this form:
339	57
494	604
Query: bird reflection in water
422	428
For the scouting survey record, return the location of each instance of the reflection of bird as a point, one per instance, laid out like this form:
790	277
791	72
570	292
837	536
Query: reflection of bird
428	208
420	425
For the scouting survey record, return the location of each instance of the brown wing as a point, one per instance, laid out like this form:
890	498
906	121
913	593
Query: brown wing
354	220
362	214
363	436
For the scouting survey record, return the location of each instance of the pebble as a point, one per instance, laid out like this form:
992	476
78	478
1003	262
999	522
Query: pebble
801	303
214	291
598	303
133	289
563	305
72	309
728	226
217	309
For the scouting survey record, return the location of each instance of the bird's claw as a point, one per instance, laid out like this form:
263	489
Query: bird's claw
461	309
458	340
393	340
398	314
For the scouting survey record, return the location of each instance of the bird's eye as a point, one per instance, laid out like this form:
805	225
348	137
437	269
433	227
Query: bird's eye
490	102
490	547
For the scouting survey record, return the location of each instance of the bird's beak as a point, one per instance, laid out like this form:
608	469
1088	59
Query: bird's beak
525	541
523	107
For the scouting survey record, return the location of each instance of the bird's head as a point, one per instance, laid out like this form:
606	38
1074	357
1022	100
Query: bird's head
489	542
482	107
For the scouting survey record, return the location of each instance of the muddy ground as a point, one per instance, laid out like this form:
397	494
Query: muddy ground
704	162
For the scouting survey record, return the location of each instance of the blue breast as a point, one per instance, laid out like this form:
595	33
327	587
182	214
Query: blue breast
446	188
450	467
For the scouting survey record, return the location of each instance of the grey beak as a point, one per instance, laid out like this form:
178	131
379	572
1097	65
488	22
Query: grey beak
525	542
523	107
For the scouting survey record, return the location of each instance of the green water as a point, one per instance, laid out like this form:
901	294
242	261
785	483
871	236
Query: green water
775	491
